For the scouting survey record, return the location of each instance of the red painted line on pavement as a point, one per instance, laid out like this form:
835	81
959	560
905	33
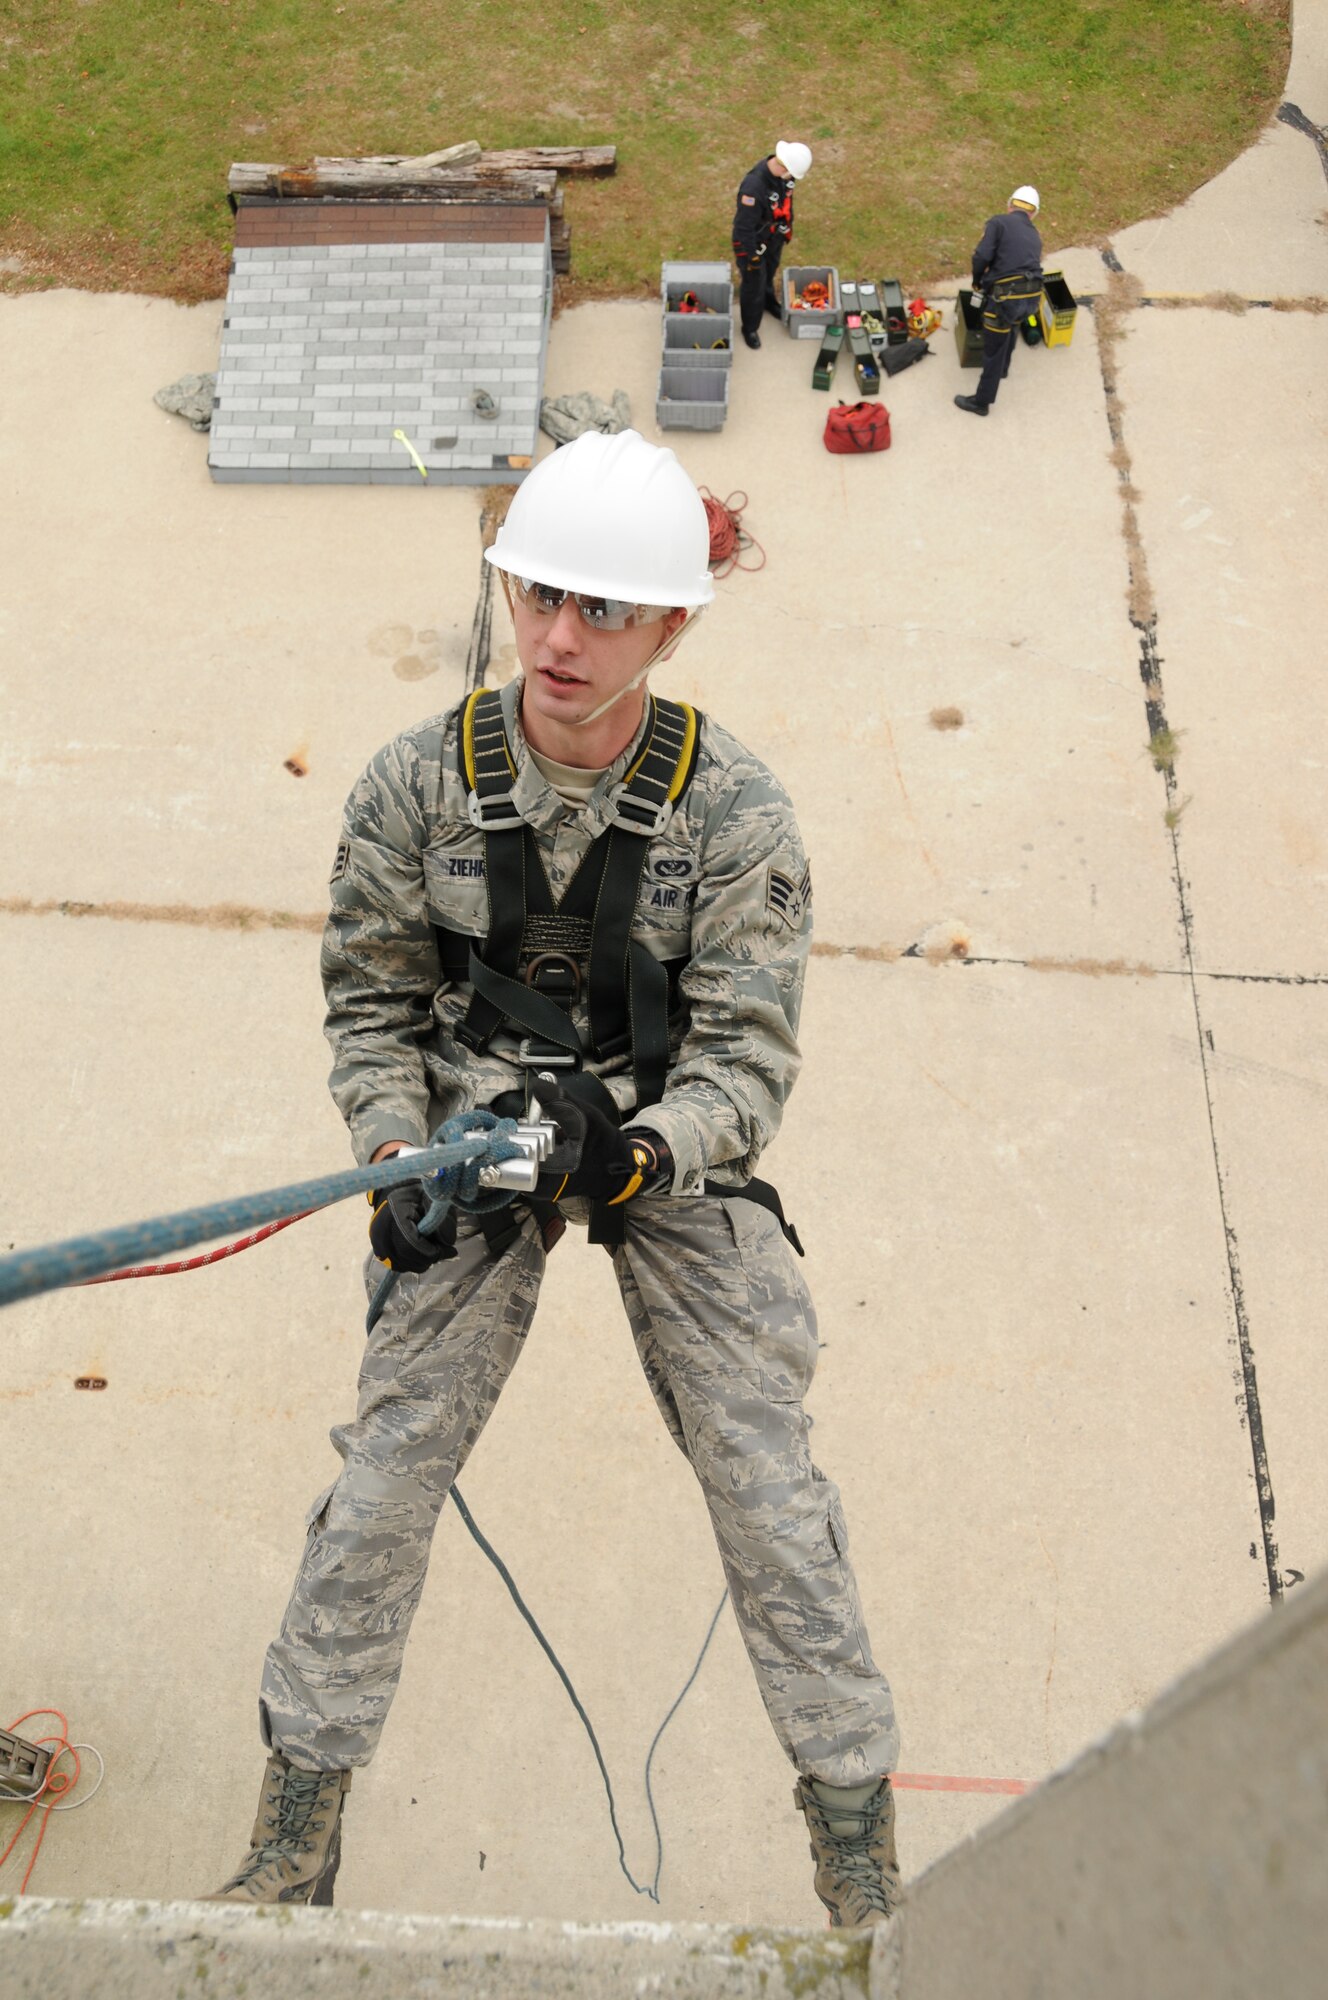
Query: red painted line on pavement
925	1781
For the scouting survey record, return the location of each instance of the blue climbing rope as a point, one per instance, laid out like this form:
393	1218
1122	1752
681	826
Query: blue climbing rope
449	1166
451	1163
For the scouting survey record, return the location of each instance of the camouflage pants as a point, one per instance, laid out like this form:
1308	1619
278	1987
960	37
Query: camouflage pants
727	1336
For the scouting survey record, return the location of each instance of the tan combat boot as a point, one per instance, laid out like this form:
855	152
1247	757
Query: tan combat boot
295	1847
853	1846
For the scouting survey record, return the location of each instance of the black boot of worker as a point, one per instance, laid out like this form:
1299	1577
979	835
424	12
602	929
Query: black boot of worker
971	403
752	339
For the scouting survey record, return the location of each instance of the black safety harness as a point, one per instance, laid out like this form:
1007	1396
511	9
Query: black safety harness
541	958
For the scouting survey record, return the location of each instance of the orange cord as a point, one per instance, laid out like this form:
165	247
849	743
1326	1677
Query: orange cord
728	538
53	1787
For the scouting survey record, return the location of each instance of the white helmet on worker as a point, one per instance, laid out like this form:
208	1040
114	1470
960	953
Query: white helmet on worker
794	157
610	517
1025	197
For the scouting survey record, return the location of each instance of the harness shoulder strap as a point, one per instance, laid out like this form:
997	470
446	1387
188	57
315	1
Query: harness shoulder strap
629	987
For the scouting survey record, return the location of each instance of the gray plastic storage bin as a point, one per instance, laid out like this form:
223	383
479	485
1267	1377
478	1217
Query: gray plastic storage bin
685	277
799	321
710	291
692	399
692	336
694	357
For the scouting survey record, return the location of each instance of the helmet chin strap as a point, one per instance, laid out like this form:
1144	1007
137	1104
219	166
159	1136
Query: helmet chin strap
665	647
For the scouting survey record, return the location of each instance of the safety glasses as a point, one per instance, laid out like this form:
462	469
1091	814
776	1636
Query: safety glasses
601	614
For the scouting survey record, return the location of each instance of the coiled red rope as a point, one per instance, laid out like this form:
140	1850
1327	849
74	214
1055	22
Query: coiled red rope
729	540
54	1787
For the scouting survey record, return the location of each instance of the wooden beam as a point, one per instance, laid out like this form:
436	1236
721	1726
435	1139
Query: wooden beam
464	155
564	159
358	177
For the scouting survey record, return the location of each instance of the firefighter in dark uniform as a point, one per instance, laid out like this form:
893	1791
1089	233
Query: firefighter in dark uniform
762	225
1007	270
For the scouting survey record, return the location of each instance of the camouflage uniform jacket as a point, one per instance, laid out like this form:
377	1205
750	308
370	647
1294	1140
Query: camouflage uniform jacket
725	888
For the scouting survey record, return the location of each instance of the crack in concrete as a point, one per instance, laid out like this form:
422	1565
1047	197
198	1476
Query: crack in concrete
248	917
208	916
1084	967
1124	293
1292	115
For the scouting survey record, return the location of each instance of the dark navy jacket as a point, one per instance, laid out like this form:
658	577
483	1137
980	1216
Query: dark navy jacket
1009	243
764	214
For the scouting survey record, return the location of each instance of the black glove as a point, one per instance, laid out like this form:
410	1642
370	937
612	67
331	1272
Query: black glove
593	1157
394	1232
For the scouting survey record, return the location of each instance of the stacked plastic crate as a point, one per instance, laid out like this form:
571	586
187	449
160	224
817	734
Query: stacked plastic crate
808	322
697	353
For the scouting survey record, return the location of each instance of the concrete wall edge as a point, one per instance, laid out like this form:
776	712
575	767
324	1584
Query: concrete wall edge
116	1947
1277	1629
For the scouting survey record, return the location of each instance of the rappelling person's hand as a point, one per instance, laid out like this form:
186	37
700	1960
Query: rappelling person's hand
593	1156
394	1232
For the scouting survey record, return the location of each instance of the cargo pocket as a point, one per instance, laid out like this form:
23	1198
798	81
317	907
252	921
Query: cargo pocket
837	1528
783	1320
317	1514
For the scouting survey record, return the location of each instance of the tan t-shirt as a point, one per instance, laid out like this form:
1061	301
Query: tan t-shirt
573	786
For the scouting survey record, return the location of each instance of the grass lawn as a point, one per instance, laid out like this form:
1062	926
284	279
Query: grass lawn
119	118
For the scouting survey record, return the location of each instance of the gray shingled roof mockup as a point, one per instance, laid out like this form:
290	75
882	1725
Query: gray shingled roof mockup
347	321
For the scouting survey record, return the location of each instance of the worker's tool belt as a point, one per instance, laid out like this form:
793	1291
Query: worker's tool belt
1011	299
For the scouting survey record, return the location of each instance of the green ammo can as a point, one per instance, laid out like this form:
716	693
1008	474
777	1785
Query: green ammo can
891	295
824	371
968	331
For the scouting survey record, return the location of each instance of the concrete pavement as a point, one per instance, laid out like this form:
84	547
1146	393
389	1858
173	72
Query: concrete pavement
1057	1154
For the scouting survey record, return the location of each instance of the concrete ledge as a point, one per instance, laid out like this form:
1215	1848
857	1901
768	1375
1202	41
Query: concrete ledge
1182	1855
58	1950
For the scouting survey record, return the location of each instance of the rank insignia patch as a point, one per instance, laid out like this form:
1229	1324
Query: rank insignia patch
789	899
342	860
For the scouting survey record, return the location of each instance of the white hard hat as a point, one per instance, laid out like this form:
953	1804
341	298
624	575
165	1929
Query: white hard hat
791	153
611	517
1027	197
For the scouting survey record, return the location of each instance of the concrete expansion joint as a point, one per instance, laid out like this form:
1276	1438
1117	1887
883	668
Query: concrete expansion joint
1123	295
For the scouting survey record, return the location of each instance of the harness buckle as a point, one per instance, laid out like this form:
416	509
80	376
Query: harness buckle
494	814
545	1057
636	815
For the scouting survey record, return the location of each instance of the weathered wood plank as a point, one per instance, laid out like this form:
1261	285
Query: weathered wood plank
535	159
564	159
358	177
465	155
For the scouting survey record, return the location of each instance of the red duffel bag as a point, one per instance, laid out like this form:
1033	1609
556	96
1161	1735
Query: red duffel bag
857	427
